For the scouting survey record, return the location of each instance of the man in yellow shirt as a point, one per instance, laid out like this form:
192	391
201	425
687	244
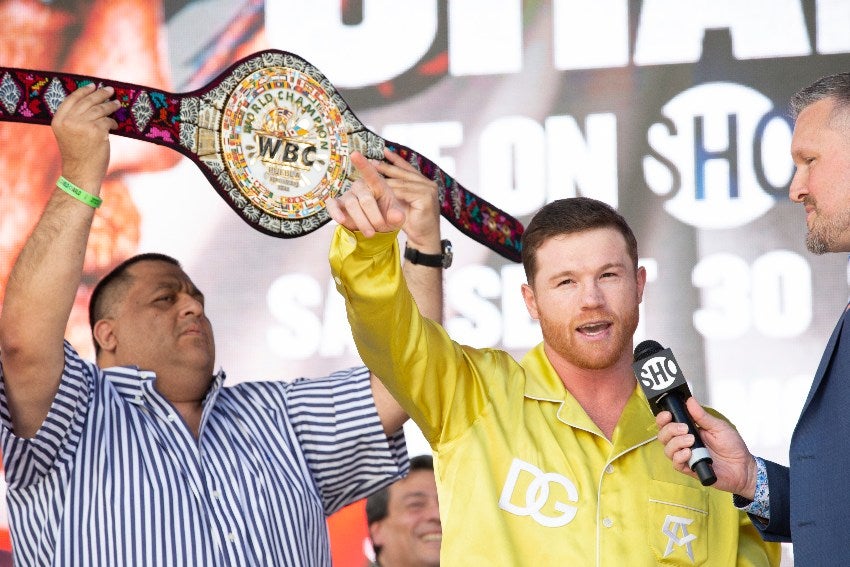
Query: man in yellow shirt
551	460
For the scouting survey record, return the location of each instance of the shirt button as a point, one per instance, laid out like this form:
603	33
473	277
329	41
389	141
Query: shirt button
232	537
216	494
172	417
607	522
609	469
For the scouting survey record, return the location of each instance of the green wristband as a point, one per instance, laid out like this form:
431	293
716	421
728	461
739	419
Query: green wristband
79	194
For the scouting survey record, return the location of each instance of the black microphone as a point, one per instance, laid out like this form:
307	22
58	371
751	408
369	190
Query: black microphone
664	384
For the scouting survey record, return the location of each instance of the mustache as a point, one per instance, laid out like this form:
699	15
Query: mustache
595	317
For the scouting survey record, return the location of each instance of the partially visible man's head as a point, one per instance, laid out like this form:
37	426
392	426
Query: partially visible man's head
404	520
836	87
569	216
820	148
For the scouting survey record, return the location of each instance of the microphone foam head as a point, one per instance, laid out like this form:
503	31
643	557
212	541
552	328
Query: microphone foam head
647	348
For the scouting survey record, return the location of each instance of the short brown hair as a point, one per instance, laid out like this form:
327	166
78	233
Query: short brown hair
569	216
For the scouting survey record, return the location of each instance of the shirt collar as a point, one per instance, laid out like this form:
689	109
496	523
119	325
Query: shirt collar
636	425
134	385
542	382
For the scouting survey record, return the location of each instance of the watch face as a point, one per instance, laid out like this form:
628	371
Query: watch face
448	254
283	143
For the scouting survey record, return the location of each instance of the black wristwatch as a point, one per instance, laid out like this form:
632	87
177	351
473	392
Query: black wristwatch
442	260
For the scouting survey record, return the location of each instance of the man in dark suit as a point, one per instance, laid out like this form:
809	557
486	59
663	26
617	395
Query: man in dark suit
807	502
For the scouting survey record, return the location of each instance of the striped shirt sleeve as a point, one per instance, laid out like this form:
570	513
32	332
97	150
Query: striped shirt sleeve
28	460
342	438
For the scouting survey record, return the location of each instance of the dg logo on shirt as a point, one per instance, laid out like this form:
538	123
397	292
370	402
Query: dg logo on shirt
529	491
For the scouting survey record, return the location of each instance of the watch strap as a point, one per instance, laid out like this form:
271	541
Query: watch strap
441	260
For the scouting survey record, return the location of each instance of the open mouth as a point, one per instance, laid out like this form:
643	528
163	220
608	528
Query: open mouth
432	538
594	329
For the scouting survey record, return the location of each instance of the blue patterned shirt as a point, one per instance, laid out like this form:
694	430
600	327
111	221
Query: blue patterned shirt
114	476
760	504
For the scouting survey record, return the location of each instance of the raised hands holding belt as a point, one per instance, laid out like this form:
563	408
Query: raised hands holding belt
370	205
272	136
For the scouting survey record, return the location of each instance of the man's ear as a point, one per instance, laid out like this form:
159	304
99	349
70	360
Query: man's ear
641	282
104	335
530	301
376	534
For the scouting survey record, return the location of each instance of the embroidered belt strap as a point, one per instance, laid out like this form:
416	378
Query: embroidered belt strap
271	134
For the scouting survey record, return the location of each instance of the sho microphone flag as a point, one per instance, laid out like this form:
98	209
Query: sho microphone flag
664	385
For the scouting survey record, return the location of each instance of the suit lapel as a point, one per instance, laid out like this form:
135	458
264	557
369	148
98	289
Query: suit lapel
828	353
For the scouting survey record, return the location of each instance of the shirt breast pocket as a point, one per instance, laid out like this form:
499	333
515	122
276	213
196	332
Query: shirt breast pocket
677	523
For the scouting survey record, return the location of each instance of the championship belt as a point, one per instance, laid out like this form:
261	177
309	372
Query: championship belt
271	134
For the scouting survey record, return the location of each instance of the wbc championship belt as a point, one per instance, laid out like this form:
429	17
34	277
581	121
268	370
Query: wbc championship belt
271	134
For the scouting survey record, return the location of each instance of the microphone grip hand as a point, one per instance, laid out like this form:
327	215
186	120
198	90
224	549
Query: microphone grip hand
700	461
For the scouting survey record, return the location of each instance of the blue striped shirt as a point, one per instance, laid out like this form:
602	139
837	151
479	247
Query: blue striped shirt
114	477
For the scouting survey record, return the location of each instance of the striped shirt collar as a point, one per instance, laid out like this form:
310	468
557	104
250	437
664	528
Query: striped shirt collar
136	385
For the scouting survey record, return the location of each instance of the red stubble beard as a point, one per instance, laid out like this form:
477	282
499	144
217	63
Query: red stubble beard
567	341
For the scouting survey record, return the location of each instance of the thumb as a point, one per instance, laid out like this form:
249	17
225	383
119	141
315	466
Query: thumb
702	418
395	214
391	209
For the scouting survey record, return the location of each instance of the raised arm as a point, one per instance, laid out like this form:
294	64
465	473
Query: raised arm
417	196
43	283
422	229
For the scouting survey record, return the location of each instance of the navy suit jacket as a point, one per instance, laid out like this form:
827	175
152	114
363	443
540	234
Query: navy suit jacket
810	501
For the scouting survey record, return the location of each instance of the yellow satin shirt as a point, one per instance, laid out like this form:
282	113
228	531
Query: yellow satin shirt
524	476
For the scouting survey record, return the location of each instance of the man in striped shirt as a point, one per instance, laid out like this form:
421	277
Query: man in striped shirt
144	458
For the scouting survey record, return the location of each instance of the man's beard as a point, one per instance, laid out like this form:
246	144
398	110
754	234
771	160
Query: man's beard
825	233
591	357
815	244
